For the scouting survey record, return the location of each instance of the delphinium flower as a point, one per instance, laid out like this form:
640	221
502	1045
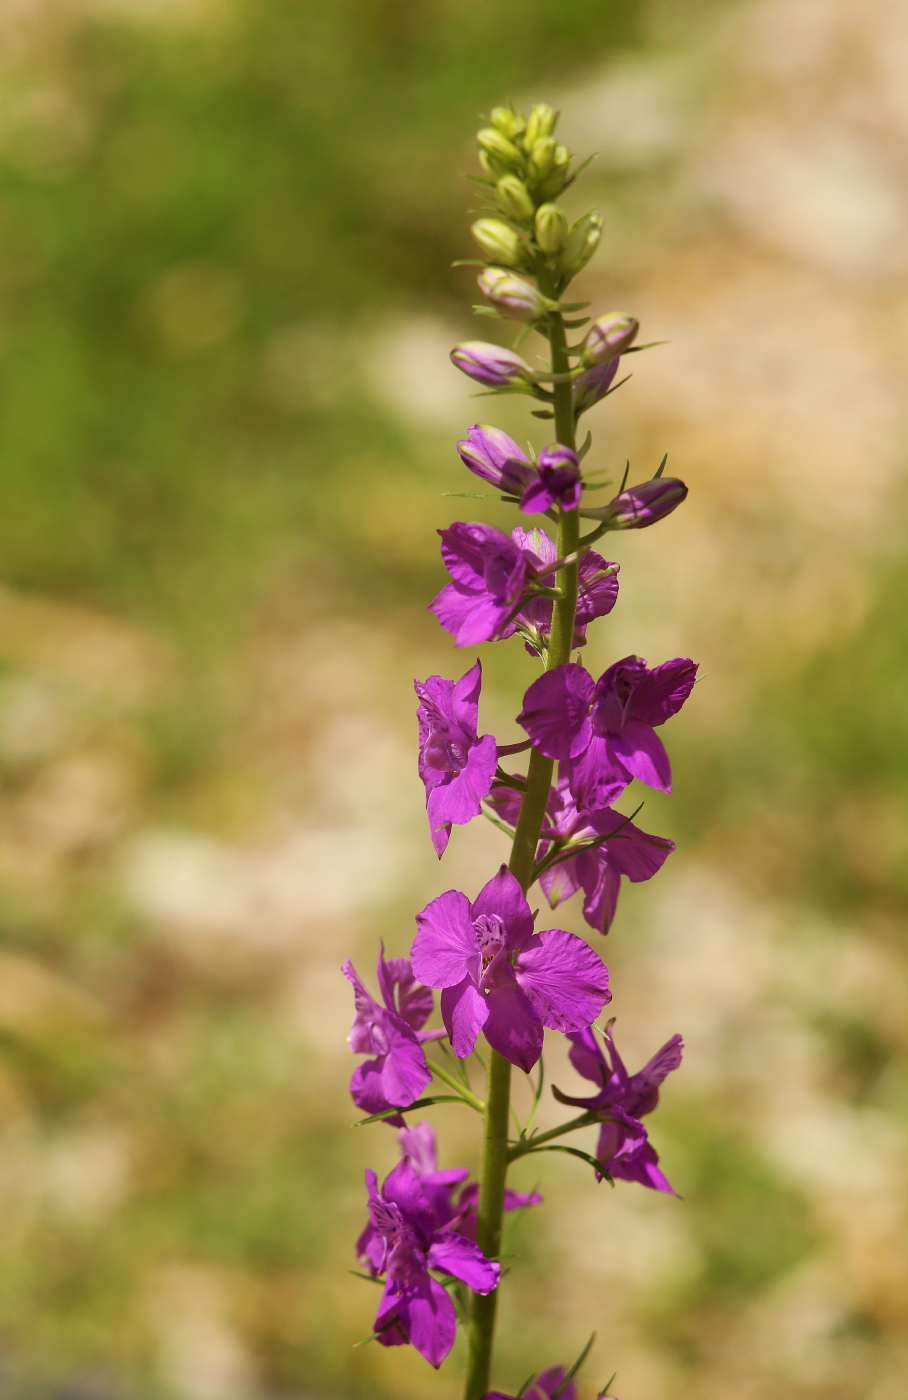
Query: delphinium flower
604	731
456	765
403	1242
597	591
557	483
451	1207
620	849
624	1149
496	458
397	1074
499	977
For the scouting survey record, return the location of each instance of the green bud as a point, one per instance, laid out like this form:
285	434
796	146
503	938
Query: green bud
542	156
499	242
541	123
551	228
514	198
498	146
553	183
581	243
491	166
507	122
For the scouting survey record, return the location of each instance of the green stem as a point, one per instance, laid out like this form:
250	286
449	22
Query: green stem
457	1084
494	1159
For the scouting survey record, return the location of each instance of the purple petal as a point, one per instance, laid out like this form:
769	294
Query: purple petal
387	1323
513	1028
418	1143
597	591
586	1056
366	1012
371	1250
596	778
536	498
439	830
601	887
564	979
546	1385
404	1188
428	1318
489	452
641	751
560	882
460	799
662	691
404	1072
471	617
502	895
401	991
536	543
644	1085
465	699
445	949
459	1256
642	1167
464	1011
556	711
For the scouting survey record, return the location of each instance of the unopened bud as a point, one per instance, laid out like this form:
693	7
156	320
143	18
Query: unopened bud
581	243
492	167
609	336
514	198
591	386
507	122
491	365
541	123
551	228
553	183
499	242
511	295
542	156
641	505
498	146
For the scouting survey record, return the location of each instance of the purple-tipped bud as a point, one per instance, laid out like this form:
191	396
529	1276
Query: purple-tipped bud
609	336
499	242
593	385
551	228
514	198
512	295
581	243
641	505
558	482
491	365
494	456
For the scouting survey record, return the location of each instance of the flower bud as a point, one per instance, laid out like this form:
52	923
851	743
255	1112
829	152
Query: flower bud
491	166
553	183
498	146
641	505
507	122
609	336
581	243
511	295
491	365
499	242
551	228
541	123
514	198
542	156
593	385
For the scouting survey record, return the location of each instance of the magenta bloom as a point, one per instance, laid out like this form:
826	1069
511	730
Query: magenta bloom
597	590
557	483
641	505
403	1242
490	575
397	1074
604	731
456	766
499	977
494	456
591	386
624	1148
458	1211
492	365
543	1387
631	852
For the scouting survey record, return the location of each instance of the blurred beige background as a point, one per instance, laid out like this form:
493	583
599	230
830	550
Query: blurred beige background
226	420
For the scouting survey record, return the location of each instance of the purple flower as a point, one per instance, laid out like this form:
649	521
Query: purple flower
593	385
403	1242
604	731
494	456
490	575
492	365
543	1387
642	505
624	1149
597	590
499	977
418	1144
611	335
456	766
597	872
398	1073
558	482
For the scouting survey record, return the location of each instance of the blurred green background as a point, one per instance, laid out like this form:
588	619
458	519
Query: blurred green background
227	420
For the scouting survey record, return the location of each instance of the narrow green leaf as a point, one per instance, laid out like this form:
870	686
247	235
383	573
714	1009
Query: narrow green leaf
411	1108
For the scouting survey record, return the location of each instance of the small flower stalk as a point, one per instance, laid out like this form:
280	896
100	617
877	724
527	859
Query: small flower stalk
505	981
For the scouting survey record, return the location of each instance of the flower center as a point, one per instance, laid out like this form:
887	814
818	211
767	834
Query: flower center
446	751
490	936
